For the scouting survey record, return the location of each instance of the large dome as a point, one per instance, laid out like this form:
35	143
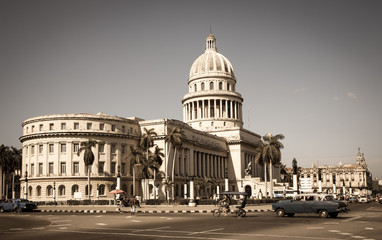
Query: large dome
211	63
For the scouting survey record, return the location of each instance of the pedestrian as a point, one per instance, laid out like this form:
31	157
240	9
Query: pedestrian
133	205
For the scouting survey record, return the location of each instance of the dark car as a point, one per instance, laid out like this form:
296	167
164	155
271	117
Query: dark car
18	204
323	204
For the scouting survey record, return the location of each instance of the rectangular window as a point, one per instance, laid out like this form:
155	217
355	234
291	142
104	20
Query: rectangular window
76	167
101	147
76	146
32	150
89	126
40	148
51	148
63	147
41	127
32	169
50	168
63	126
113	148
113	128
123	129
112	170
51	126
33	128
76	126
101	126
86	169
123	171
40	169
101	167
63	167
123	149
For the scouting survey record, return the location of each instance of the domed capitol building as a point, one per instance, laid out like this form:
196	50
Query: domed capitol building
215	144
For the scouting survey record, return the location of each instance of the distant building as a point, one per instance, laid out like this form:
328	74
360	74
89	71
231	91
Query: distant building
216	144
342	179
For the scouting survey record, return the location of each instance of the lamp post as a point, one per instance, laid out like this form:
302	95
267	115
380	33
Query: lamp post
185	188
54	191
192	203
118	182
283	180
226	179
26	185
97	191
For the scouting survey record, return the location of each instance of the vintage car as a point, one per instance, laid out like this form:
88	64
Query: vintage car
18	204
323	204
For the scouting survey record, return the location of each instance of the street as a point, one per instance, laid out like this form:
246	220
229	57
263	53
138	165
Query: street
362	222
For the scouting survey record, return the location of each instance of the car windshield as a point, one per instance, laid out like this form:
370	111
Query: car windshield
328	198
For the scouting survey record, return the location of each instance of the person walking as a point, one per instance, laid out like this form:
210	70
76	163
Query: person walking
133	205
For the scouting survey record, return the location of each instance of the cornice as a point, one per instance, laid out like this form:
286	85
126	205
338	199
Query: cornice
75	134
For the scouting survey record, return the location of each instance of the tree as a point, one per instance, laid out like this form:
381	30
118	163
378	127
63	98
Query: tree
135	156
4	158
88	157
260	160
175	138
167	186
202	185
157	156
15	165
272	154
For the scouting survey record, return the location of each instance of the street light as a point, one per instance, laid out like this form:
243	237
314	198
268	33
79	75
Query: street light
118	182
26	185
54	191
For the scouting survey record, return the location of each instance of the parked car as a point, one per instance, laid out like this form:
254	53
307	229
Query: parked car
363	199
323	204
18	204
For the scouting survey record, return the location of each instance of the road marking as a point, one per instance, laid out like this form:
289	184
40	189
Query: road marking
369	228
207	231
335	231
358	237
38	228
331	223
314	227
347	234
98	216
136	221
63	228
101	224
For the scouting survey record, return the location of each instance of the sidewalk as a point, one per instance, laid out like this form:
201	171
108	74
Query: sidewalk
145	208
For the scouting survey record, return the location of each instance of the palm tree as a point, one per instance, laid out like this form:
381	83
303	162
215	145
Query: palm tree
175	138
202	185
15	165
272	154
167	185
261	161
88	157
135	156
4	159
157	156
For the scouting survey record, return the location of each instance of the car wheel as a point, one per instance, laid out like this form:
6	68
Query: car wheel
280	212
1	209
333	215
216	213
323	214
290	214
240	213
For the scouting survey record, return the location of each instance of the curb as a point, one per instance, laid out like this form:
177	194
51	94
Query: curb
140	211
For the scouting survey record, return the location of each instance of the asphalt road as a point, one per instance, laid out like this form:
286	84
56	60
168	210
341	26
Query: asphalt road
363	222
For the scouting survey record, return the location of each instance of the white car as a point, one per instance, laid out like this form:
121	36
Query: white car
363	199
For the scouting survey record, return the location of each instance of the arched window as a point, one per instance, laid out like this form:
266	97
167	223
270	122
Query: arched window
220	86
195	89
202	86
30	191
74	189
49	190
38	191
113	187
101	189
61	190
211	85
86	190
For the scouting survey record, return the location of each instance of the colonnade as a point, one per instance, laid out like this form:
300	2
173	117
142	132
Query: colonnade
209	165
212	108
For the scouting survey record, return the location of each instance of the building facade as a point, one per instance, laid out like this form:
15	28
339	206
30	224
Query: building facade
216	145
344	179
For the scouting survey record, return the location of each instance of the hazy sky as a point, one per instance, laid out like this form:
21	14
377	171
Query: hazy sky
310	70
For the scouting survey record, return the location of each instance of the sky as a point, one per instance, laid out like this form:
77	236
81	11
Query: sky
310	70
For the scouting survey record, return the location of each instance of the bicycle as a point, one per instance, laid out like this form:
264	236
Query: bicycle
216	212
